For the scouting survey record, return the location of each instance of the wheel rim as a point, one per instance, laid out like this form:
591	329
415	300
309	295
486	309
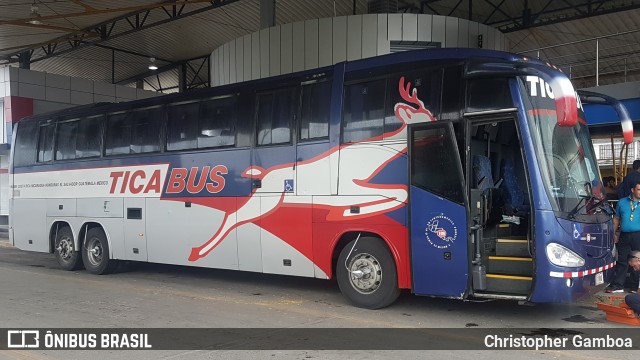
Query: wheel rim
65	248
95	252
365	273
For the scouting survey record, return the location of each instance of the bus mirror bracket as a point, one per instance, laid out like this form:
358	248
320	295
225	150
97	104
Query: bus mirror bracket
589	97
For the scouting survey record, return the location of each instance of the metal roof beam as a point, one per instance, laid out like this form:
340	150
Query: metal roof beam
162	69
147	56
580	10
78	39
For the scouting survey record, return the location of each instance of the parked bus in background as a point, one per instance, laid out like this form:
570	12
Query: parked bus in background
449	172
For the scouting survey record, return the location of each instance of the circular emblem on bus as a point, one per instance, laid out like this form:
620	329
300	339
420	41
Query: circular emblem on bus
441	232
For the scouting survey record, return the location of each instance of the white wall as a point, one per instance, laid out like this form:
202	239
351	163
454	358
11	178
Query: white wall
321	42
55	92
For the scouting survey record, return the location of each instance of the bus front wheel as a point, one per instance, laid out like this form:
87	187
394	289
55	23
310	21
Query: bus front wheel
66	255
366	273
95	253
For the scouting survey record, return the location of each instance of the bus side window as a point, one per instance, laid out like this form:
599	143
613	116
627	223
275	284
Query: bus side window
488	94
452	87
275	114
427	83
66	140
145	130
182	126
45	143
314	111
118	136
88	138
363	110
134	132
216	125
78	139
26	139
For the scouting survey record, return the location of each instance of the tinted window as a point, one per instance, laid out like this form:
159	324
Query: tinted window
363	110
118	138
216	125
145	130
315	110
426	84
434	162
88	138
78	138
452	86
45	142
66	140
488	94
182	126
134	132
204	124
275	112
25	146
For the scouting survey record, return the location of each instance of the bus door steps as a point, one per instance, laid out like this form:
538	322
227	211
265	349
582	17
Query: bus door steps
508	284
512	246
510	265
508	230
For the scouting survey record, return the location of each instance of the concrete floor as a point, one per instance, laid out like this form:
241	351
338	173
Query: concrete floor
36	293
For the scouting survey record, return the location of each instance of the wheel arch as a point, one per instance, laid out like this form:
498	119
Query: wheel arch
53	233
350	235
88	225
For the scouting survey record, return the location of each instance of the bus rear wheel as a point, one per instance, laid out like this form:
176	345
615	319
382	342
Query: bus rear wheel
366	274
95	253
66	255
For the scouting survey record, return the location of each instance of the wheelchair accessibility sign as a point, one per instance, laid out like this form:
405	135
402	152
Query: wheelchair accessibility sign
288	185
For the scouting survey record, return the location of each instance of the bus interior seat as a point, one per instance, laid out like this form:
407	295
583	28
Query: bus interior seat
491	194
482	172
515	200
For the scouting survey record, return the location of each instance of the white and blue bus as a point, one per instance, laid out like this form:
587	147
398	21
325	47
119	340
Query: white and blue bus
450	172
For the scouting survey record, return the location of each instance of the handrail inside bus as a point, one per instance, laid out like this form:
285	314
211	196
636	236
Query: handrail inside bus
590	97
561	87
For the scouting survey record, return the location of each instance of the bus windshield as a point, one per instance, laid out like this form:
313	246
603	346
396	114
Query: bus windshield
565	155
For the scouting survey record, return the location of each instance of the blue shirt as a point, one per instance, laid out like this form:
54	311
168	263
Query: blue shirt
629	214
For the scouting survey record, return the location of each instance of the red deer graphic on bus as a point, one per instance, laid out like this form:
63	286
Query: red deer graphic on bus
355	186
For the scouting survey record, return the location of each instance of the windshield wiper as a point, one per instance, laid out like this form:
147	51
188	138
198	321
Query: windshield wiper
579	206
607	208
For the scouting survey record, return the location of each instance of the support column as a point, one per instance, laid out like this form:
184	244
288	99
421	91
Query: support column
113	66
267	13
24	60
182	78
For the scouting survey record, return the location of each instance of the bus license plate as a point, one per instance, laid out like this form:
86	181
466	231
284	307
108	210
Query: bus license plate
599	278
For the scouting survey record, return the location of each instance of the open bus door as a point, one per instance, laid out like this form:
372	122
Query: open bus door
438	206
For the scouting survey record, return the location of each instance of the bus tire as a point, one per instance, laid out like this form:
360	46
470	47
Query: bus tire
64	249
95	253
366	274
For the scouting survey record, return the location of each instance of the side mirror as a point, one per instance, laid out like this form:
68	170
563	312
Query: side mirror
589	97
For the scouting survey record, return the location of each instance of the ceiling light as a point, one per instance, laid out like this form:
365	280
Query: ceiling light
34	16
153	65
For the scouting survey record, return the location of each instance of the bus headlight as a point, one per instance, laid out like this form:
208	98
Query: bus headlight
561	256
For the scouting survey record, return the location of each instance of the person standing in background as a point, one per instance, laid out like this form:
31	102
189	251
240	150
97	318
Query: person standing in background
609	187
629	180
